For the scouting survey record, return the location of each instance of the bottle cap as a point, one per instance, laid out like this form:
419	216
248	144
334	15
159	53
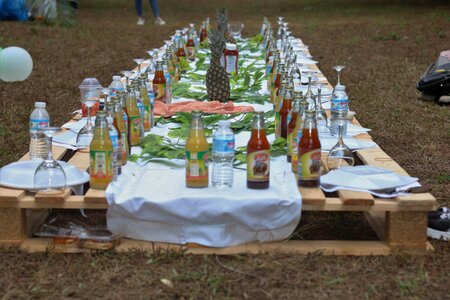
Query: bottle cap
116	77
40	104
224	123
339	87
230	46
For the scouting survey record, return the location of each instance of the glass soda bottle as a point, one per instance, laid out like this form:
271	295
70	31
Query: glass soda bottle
117	147
223	155
197	149
309	155
298	131
190	47
292	122
159	83
182	59
101	154
39	118
284	112
140	105
146	103
168	93
134	120
258	155
122	128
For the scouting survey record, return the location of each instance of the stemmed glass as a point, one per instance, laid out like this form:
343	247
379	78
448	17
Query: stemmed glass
235	30
153	56
106	91
85	135
321	116
340	155
338	69
127	75
50	177
139	61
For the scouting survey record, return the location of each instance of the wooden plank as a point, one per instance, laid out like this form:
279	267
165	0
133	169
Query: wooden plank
416	199
80	160
376	220
299	247
407	231
11	195
95	196
73	202
356	198
312	196
12	225
57	197
377	157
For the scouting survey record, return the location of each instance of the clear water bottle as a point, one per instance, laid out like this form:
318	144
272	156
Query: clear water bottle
339	110
116	85
117	158
223	156
151	95
38	141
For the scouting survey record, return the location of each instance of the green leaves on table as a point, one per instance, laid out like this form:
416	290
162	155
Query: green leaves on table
157	147
277	148
183	89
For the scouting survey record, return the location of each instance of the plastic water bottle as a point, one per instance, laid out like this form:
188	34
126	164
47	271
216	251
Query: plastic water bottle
117	158
151	95
339	110
38	141
223	156
116	85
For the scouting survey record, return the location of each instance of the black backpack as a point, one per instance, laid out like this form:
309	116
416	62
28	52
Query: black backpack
435	82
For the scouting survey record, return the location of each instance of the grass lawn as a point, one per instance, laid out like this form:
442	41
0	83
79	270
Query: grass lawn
386	46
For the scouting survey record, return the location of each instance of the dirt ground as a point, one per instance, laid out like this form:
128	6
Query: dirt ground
386	46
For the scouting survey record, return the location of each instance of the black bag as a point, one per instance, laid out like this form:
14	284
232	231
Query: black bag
435	82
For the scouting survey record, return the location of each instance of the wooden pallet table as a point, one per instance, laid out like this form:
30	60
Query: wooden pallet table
400	223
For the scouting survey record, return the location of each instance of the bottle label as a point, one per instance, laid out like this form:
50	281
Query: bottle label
277	125
101	164
231	63
113	135
309	165
147	124
258	165
196	165
124	136
190	52
159	89
223	146
135	129
36	124
290	140
339	104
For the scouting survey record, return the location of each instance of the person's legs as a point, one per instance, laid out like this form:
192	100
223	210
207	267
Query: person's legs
155	8
139	8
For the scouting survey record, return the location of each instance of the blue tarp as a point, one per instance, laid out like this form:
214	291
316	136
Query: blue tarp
13	10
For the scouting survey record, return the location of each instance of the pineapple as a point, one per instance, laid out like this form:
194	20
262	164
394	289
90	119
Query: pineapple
217	81
222	25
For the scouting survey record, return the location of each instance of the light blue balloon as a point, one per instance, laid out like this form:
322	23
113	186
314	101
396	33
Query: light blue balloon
16	64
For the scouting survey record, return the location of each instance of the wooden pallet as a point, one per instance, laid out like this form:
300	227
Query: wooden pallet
400	223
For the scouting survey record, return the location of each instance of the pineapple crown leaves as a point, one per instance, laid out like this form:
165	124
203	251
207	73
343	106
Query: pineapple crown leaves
216	43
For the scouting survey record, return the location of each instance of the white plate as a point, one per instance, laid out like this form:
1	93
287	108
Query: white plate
365	177
20	175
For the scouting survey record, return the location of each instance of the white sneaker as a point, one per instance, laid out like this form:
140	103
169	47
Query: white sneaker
140	21
159	21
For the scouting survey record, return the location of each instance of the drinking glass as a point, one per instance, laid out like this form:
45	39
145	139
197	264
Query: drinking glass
340	155
321	116
127	75
338	69
153	56
139	61
106	92
85	135
235	29
50	177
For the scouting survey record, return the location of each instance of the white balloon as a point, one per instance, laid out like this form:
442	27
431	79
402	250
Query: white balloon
16	64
